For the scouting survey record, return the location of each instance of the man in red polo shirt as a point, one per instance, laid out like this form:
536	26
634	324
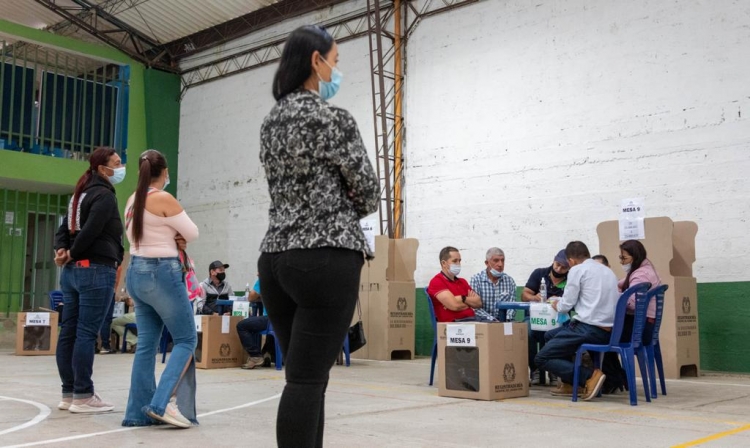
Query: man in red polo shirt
451	296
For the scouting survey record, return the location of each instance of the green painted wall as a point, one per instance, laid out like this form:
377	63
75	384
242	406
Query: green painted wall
724	320
723	334
162	95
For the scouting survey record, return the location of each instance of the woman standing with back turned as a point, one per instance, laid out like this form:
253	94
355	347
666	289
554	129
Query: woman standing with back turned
321	183
89	246
156	224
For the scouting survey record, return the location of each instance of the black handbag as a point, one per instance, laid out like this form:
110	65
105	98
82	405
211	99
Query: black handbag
357	332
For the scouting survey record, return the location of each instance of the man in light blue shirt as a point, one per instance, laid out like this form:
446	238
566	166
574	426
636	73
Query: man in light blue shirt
494	286
592	289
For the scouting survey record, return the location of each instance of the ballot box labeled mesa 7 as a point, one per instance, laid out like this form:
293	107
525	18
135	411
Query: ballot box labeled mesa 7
36	333
483	361
219	345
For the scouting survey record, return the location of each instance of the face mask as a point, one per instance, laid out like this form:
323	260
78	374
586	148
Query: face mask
166	182
118	176
455	269
626	267
328	89
221	276
495	273
557	274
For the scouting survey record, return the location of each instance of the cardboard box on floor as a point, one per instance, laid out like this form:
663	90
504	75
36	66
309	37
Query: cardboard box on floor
36	333
492	367
219	345
387	295
671	248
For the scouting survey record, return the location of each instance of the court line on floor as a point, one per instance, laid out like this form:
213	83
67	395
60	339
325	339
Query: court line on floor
132	428
713	437
44	412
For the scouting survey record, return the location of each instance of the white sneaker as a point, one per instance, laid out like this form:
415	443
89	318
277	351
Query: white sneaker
92	405
171	415
65	403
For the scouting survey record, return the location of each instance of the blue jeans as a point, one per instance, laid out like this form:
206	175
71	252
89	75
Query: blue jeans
104	333
557	354
249	330
86	296
158	289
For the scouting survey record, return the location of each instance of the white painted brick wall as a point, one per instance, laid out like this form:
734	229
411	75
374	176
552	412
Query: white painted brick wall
529	122
221	181
526	125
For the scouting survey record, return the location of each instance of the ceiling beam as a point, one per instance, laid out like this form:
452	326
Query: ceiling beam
244	25
100	23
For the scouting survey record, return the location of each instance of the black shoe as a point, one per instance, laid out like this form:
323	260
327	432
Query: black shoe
267	360
608	389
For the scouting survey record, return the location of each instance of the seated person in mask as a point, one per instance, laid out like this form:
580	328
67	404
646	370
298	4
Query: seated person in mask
554	278
494	286
216	288
452	297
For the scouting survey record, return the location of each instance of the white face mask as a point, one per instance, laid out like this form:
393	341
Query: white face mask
626	267
455	269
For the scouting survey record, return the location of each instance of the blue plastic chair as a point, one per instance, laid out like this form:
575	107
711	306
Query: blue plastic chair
163	343
55	299
653	350
269	332
433	319
627	350
133	328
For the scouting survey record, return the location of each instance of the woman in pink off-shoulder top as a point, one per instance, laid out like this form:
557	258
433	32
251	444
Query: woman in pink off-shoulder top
157	227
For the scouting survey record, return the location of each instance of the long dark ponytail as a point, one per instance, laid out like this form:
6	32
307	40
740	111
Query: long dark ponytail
99	157
150	166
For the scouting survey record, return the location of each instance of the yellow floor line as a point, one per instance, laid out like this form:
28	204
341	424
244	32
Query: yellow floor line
713	437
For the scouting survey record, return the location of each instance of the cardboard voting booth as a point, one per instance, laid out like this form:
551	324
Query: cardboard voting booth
483	361
219	345
387	294
671	248
36	333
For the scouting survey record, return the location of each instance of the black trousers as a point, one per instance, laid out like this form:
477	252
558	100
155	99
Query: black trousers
310	296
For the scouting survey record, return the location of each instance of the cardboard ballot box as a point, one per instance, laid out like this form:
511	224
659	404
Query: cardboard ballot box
387	294
483	361
36	333
218	343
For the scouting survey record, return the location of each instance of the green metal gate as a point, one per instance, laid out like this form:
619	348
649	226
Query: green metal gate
27	269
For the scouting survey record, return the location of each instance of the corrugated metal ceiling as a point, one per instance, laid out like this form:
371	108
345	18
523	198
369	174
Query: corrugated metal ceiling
162	20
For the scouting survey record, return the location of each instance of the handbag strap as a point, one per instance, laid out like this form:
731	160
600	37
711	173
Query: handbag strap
359	309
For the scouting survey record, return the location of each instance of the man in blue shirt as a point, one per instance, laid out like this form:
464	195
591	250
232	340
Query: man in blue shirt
493	285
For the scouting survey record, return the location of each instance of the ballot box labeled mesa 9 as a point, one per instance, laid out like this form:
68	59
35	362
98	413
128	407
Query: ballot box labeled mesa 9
219	345
483	361
36	333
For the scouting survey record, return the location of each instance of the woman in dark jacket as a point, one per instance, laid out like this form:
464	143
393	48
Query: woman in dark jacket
321	183
88	245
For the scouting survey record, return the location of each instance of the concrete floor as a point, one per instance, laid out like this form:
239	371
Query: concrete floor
374	404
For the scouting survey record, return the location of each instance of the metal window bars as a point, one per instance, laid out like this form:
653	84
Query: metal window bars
58	104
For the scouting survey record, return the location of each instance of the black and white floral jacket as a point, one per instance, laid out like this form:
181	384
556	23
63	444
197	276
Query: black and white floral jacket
320	179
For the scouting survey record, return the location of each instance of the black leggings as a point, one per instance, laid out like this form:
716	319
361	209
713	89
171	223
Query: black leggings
310	295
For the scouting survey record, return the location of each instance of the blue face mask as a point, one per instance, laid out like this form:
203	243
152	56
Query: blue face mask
328	89
496	274
118	176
